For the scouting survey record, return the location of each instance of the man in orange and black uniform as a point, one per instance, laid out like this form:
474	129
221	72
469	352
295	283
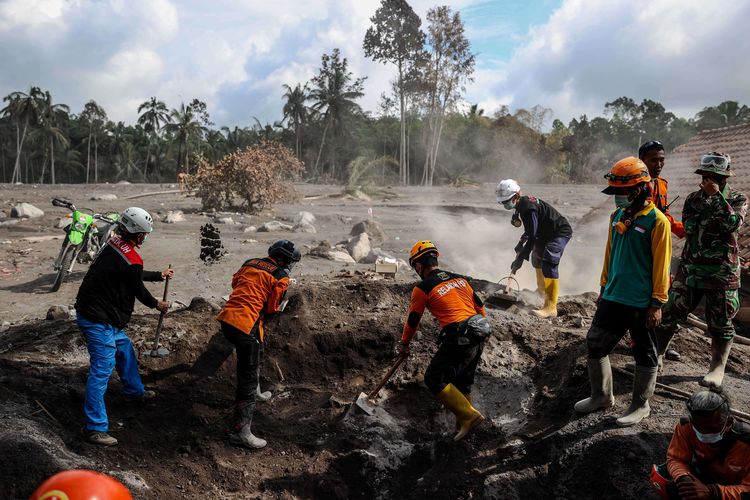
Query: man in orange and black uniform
257	291
652	154
464	327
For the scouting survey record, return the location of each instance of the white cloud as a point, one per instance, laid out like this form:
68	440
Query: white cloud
687	54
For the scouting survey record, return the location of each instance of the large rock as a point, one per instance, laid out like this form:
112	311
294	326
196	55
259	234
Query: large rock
174	216
373	229
304	218
225	220
359	247
250	229
26	210
58	312
274	226
340	256
374	254
104	197
304	227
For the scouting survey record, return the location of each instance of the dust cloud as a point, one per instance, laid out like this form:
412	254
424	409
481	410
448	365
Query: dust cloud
479	241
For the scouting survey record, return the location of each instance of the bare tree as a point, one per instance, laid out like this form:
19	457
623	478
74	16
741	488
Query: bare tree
448	70
395	37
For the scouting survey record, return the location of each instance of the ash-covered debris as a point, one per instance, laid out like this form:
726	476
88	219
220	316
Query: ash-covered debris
211	248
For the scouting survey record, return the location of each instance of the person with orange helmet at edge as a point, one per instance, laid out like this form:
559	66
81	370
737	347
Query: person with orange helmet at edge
546	233
103	306
464	328
258	289
709	454
634	287
81	485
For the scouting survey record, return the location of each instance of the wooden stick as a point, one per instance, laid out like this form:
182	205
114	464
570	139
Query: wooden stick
387	376
172	191
693	321
685	394
159	325
278	370
48	413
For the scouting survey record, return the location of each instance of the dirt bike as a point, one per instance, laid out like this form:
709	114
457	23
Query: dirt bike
83	238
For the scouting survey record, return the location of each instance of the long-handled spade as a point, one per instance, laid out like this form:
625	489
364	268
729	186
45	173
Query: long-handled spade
155	351
363	400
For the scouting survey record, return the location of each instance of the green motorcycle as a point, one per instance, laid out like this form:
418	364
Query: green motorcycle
83	238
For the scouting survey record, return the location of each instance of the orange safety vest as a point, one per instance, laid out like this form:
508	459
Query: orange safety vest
257	289
659	194
448	296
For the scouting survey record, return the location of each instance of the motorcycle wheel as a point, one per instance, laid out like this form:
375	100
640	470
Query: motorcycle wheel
65	263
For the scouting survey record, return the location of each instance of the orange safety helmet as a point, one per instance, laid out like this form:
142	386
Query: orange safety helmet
420	249
81	485
626	173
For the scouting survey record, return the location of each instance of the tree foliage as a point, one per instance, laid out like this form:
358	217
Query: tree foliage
248	179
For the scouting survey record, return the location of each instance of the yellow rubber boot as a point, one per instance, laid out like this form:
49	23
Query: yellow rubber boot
551	287
470	400
540	285
468	416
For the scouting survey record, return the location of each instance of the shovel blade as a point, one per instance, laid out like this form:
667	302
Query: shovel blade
364	404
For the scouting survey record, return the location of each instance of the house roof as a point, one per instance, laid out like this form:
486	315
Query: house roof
679	169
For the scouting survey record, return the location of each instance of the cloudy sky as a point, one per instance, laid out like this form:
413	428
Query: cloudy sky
568	55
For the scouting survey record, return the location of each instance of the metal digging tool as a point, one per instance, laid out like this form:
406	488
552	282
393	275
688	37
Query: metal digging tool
505	296
155	351
363	400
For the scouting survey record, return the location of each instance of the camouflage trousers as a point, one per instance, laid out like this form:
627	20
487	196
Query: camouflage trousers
721	307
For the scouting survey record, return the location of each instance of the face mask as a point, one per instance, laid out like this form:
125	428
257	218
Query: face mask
708	438
509	204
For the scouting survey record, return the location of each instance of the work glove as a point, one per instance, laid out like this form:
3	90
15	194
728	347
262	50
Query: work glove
516	265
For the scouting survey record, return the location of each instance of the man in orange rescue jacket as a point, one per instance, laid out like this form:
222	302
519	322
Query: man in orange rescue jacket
257	291
709	455
464	327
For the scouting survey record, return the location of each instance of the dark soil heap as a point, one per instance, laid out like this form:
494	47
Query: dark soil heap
335	339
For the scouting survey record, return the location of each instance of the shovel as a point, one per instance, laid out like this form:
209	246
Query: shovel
363	400
505	297
155	351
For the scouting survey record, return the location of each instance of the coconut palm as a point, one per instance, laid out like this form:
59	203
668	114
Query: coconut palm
184	124
332	95
94	117
295	112
50	120
24	110
153	116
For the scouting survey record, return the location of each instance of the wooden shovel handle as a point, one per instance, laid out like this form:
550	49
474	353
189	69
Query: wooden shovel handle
391	371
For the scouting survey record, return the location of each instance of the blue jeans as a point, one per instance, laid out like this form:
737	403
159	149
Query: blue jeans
109	348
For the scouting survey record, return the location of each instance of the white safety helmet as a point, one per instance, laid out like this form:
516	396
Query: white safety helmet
136	220
506	189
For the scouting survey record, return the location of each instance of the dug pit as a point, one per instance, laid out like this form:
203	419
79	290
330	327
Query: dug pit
335	339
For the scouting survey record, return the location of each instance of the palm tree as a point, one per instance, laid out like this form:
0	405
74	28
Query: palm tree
95	117
236	138
154	115
268	131
185	124
333	98
51	117
24	110
215	145
295	112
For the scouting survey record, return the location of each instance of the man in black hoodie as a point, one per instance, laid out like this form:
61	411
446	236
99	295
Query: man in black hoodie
104	304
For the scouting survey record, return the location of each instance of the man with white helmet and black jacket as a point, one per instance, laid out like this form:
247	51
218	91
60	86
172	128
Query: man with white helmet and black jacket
104	305
546	233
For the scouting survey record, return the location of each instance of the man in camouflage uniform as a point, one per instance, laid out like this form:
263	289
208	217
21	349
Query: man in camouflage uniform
709	266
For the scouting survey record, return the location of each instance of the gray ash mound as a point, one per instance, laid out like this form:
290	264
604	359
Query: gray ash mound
336	339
